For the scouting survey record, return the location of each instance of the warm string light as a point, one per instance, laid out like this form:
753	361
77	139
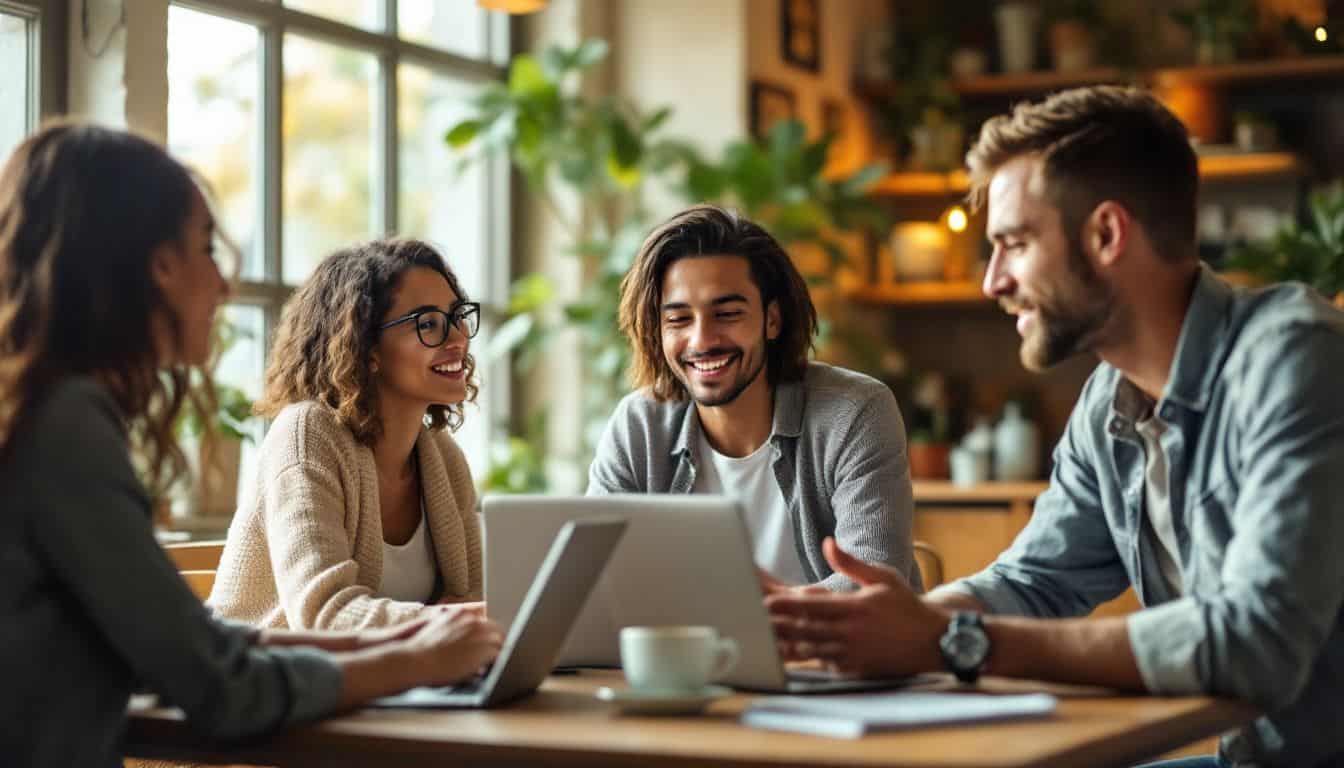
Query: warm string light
1321	35
956	219
513	6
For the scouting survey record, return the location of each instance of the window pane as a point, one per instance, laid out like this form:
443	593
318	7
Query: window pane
360	13
437	204
459	27
329	158
213	95
14	85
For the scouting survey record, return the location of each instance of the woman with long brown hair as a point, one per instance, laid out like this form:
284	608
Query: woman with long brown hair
108	290
363	509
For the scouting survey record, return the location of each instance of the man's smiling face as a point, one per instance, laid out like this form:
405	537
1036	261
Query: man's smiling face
714	328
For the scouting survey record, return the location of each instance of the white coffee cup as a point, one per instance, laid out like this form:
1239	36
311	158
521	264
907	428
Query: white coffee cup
681	658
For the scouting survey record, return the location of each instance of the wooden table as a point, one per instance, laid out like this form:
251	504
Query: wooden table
564	725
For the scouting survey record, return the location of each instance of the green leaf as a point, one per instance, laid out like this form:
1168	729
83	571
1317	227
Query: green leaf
705	183
508	336
862	179
652	122
463	133
625	145
579	313
590	52
786	138
530	292
526	78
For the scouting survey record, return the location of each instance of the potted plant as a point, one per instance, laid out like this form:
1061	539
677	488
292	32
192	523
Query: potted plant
930	441
924	111
212	432
1218	27
1312	253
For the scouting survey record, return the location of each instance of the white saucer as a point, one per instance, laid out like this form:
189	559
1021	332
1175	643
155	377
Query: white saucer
631	701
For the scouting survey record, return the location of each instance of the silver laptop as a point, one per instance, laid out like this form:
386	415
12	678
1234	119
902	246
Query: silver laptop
566	574
683	560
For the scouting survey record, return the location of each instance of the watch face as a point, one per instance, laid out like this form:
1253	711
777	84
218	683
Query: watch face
967	647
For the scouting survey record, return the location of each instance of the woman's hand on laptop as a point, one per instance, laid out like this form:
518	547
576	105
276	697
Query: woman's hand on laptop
453	648
883	629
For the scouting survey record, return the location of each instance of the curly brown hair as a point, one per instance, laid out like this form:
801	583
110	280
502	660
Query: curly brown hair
1101	143
708	230
329	328
82	209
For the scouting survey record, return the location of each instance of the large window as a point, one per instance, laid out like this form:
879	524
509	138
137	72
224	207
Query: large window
318	123
18	84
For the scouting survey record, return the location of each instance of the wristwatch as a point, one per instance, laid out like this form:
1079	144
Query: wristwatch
965	646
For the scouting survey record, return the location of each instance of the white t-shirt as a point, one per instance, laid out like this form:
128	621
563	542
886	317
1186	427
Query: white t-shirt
1158	503
409	570
751	480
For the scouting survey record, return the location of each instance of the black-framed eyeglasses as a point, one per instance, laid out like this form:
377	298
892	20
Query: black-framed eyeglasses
431	325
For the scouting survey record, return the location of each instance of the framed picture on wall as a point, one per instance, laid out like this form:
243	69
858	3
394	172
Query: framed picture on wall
800	33
770	104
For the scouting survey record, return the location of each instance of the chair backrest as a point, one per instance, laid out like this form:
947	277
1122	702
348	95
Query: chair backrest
197	562
196	556
930	564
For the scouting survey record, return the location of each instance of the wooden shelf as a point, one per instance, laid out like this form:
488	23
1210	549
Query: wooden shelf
922	184
1236	73
931	293
1045	81
995	492
1257	165
1221	167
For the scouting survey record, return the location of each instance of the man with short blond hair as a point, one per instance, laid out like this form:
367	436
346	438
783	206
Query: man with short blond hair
1202	464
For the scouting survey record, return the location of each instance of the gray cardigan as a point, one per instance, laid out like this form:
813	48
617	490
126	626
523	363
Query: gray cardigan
91	607
839	457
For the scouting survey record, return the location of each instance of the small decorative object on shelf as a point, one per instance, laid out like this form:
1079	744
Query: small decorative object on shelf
918	250
1072	33
1016	22
970	461
1218	27
1017	446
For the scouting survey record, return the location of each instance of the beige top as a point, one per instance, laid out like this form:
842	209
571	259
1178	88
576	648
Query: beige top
305	550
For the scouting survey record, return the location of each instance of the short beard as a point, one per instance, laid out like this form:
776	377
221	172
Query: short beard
1066	328
732	394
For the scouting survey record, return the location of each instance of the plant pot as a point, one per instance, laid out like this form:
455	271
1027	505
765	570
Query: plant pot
1016	25
1073	47
929	461
214	464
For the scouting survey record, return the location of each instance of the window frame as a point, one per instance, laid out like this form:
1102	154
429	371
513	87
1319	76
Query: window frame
273	20
46	84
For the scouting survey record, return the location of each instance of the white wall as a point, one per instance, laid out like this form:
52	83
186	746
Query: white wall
126	86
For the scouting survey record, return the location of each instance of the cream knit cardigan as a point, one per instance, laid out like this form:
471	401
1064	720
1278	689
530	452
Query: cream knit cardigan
305	550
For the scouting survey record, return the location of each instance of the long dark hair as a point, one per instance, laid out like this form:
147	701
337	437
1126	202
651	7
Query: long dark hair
82	209
705	230
329	328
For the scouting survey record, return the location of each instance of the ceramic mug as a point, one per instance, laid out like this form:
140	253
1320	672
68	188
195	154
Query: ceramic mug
680	658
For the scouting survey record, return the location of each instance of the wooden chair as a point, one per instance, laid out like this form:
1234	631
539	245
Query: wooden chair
197	562
930	564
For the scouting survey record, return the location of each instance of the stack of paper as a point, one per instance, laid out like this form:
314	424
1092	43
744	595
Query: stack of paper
850	717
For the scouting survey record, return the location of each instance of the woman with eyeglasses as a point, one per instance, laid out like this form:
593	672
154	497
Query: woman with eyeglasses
362	512
108	291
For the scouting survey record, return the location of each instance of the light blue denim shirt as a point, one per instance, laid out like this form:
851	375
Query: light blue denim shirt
1255	453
